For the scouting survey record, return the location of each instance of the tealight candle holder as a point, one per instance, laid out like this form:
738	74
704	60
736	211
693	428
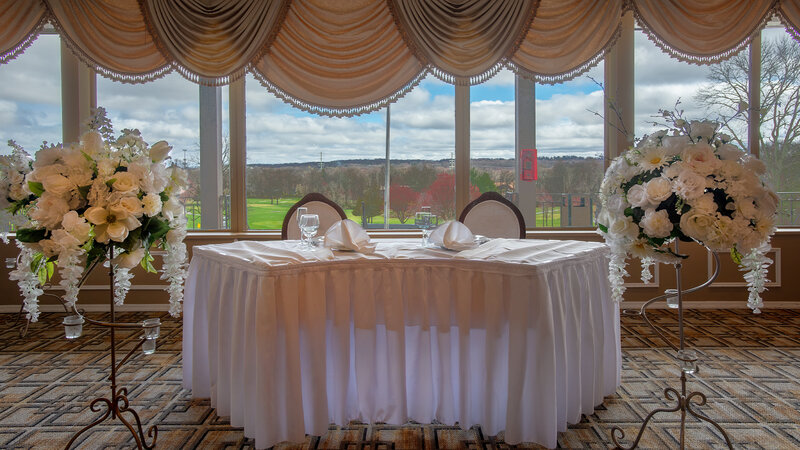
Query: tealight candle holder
73	326
672	298
148	346
11	263
152	328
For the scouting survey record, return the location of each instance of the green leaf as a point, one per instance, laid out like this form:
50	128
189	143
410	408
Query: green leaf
110	182
84	190
602	227
164	197
36	187
147	262
31	235
50	268
155	229
736	256
86	155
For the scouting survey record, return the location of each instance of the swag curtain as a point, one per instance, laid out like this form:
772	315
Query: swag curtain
345	58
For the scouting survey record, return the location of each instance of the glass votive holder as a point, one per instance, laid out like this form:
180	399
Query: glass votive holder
11	263
152	327
149	346
73	326
688	360
672	298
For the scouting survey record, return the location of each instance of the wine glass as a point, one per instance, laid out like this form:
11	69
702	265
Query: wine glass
309	224
300	212
422	220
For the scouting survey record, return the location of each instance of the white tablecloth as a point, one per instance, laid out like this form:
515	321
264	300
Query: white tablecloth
516	335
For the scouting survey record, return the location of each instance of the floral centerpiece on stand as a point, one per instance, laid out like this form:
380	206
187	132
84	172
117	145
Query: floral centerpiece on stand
688	183
85	201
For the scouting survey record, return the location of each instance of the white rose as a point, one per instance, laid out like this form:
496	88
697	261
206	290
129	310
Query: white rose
731	169
767	202
76	226
18	192
704	204
159	151
49	247
47	157
637	196
131	205
700	158
616	204
728	152
658	190
57	184
705	129
689	185
697	225
755	165
92	143
129	260
656	223
746	208
623	227
674	145
106	167
73	158
125	182
152	204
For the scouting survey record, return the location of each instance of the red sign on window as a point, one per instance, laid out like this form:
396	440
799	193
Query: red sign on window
527	160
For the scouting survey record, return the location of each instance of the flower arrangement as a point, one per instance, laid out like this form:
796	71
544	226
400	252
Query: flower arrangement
82	201
688	183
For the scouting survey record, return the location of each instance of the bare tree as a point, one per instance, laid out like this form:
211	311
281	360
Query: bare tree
779	112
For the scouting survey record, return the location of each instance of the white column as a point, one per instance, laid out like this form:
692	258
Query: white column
754	97
462	147
238	156
78	95
210	157
618	82
524	138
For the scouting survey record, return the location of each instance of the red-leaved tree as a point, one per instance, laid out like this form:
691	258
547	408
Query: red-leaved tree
403	201
441	196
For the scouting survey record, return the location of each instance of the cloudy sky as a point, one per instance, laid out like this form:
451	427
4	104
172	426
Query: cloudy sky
422	122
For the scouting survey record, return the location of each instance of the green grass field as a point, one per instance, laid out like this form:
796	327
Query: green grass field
263	215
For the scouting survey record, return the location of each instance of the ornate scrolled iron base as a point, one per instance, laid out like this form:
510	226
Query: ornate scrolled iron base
115	410
683	401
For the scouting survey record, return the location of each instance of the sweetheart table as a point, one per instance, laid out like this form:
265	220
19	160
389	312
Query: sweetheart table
514	335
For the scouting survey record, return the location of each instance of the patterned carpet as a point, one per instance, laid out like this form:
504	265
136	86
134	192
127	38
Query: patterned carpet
750	372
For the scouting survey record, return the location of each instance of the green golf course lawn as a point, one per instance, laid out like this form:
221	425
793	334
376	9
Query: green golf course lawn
264	215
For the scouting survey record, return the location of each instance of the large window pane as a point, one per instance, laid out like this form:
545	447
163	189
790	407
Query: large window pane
569	140
492	156
30	100
780	120
291	153
164	109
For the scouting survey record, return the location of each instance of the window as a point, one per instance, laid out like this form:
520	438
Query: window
176	120
30	100
569	140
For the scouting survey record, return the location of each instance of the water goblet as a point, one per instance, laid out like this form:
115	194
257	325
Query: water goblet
309	224
300	212
422	220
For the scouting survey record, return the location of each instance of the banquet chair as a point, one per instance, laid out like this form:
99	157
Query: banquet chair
328	211
492	215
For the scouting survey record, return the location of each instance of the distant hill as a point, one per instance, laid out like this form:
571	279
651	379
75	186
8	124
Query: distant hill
480	163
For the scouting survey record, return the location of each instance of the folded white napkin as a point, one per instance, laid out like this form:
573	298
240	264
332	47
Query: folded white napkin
453	235
348	235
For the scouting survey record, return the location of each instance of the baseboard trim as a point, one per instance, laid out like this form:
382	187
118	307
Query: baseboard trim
94	307
728	304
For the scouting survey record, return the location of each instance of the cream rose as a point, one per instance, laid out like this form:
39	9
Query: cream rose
656	223
689	185
697	225
57	184
702	129
131	205
700	158
623	227
125	182
637	196
49	210
658	190
728	152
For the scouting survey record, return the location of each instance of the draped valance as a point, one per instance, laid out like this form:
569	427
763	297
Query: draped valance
351	57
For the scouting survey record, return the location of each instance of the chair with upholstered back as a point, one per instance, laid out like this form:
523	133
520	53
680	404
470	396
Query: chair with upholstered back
492	215
327	210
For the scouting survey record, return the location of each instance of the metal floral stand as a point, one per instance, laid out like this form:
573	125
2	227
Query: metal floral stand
687	361
118	402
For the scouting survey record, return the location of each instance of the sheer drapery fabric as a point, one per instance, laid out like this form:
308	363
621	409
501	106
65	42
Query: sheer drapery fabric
347	58
515	335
